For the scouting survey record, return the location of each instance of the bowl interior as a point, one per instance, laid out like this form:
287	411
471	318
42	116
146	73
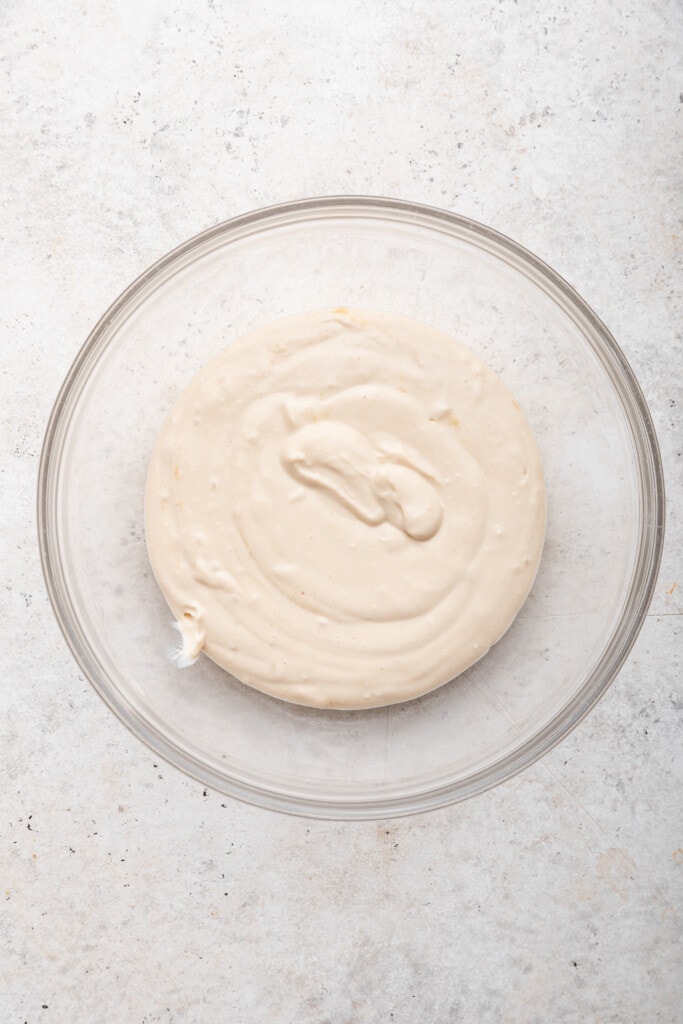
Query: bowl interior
590	425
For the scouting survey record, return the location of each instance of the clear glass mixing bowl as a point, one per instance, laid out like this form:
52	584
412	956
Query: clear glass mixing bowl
603	476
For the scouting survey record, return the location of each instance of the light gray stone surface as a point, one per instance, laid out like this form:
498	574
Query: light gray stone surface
130	894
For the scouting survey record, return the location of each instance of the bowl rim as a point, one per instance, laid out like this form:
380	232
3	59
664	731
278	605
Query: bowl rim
649	542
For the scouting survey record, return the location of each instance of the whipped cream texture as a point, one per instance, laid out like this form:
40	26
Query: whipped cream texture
345	509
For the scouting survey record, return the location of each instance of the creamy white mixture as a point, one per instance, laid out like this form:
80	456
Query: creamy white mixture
345	509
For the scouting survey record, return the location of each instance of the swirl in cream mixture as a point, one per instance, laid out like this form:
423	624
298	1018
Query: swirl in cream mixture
345	509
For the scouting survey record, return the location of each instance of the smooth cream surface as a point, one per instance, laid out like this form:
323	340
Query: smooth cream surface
345	509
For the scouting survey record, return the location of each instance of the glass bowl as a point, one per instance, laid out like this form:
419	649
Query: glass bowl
603	478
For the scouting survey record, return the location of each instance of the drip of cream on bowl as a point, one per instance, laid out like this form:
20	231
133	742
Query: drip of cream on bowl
345	509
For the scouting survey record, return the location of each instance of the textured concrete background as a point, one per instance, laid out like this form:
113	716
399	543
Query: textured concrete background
130	894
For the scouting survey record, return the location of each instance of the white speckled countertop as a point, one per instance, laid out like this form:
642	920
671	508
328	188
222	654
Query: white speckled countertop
133	896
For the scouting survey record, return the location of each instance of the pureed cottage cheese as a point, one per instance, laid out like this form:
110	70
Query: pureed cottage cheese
345	509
